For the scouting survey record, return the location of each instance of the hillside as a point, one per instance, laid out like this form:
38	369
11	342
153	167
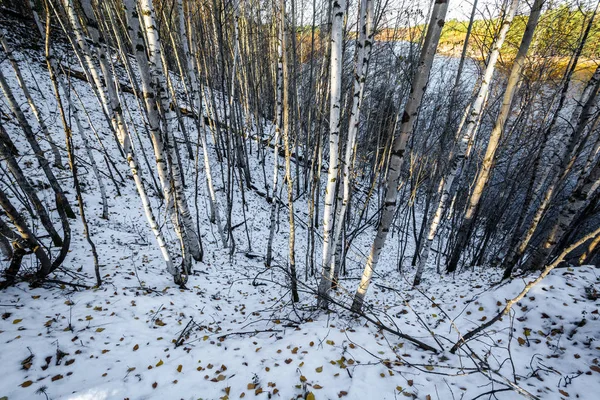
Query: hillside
230	138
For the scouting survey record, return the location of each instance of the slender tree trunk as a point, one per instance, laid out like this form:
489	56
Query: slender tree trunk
28	237
150	97
335	90
408	119
483	175
278	128
288	156
188	232
58	82
473	113
197	95
364	47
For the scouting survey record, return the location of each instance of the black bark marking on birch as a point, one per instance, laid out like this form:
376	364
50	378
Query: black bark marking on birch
405	117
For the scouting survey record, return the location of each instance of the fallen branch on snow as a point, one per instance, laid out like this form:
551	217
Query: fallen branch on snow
525	290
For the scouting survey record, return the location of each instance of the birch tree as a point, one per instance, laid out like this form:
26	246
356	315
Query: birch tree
407	122
466	227
197	95
136	173
158	72
150	97
278	128
467	137
288	168
335	92
364	47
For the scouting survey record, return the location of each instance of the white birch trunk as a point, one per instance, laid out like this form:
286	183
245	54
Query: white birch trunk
87	61
278	127
197	94
190	237
365	45
110	81
409	116
497	131
335	92
466	139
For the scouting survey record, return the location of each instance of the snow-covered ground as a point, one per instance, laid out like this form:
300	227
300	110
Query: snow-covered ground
234	333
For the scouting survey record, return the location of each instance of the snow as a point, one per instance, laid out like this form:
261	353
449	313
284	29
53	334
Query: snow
246	339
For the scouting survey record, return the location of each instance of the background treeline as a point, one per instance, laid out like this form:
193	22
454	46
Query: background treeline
560	28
